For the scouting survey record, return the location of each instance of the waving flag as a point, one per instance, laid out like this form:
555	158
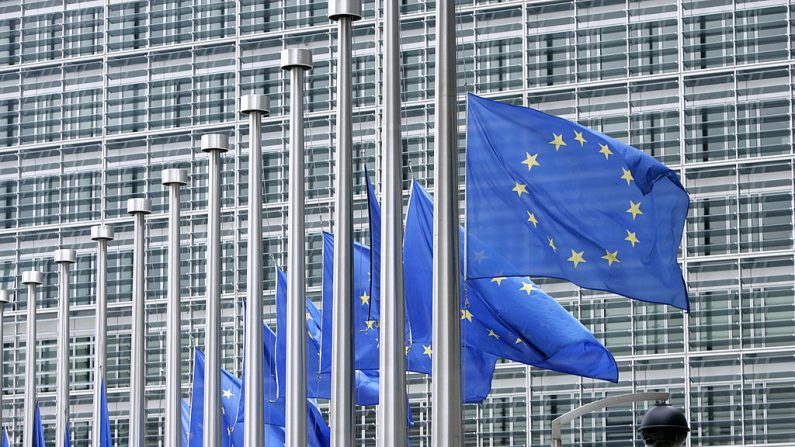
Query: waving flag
557	199
105	439
507	317
38	428
5	439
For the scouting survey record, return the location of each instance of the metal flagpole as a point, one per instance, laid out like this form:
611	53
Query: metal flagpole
392	386
342	399
256	106
139	208
5	298
32	279
173	179
102	234
296	61
214	145
63	257
446	363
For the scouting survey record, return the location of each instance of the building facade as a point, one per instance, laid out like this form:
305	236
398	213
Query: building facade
98	96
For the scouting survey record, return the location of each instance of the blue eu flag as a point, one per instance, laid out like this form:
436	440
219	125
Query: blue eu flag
185	421
230	397
5	439
38	428
67	439
105	439
557	199
507	317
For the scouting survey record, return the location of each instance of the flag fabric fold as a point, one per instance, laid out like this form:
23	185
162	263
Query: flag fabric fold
5	442
38	428
556	199
506	317
105	439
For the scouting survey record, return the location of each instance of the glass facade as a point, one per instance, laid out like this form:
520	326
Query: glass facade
98	96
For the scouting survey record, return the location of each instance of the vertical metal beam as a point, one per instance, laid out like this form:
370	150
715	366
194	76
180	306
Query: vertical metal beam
343	423
296	61
173	179
32	279
391	425
139	208
256	106
102	234
5	299
214	145
63	258
446	289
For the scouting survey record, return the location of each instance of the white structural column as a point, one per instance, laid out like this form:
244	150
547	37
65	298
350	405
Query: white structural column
63	258
102	234
296	61
214	145
5	299
391	425
343	424
446	385
256	107
139	208
32	279
173	179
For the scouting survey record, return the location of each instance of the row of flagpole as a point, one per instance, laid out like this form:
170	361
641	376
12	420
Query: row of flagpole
391	425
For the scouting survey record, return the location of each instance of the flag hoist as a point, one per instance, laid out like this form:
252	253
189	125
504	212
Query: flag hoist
139	208
296	61
5	299
214	145
446	360
344	12
391	425
102	234
173	179
32	279
256	107
64	258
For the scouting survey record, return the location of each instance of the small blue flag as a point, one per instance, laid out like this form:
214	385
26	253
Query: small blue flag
508	317
557	199
38	428
67	439
5	443
105	439
185	421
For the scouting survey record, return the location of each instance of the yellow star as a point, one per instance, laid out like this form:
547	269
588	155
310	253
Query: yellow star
611	257
576	257
532	219
605	150
580	138
223	410
634	209
227	394
557	141
552	244
498	280
407	349
493	334
531	160
518	340
365	299
426	350
308	316
627	175
466	315
369	324
520	189
526	287
632	238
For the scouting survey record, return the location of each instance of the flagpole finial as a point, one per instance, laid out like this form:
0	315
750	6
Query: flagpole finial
102	233
255	103
174	177
64	255
6	297
32	277
139	205
338	9
296	58
215	142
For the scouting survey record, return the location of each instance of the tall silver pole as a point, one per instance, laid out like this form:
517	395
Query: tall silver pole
256	106
173	179
139	208
343	423
32	279
391	425
102	234
446	363
214	145
5	298
296	61
63	257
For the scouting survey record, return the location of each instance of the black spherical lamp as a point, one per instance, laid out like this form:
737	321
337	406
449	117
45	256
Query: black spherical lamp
664	426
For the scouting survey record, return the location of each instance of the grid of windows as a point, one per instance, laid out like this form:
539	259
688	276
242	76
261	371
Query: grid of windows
97	97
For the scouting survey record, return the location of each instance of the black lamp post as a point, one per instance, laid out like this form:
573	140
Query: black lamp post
664	426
